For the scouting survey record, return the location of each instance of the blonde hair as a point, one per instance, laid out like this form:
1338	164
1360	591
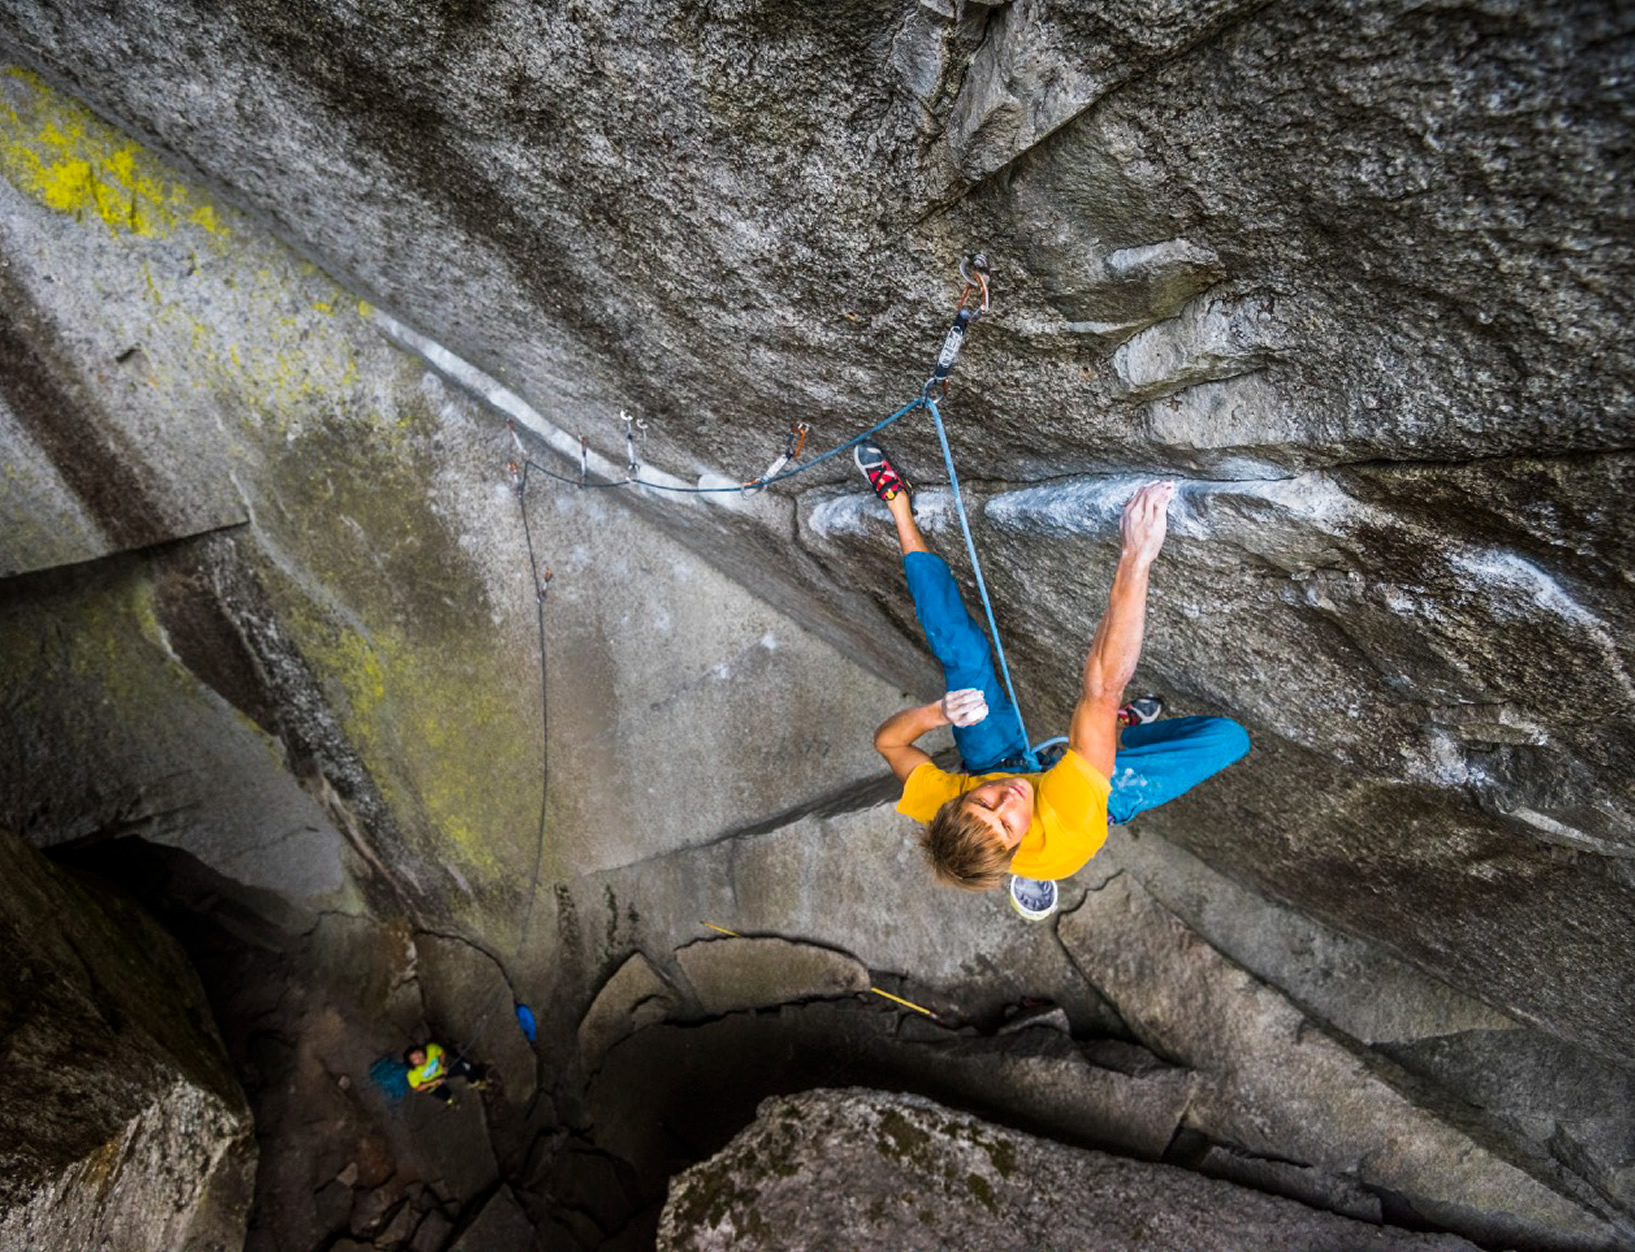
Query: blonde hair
962	849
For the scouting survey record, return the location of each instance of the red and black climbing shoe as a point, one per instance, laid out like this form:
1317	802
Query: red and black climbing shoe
881	473
1141	710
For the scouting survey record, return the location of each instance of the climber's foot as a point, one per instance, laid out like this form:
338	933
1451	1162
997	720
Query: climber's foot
883	477
1141	710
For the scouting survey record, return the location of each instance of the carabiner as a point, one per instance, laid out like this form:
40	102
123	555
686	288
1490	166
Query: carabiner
796	440
631	464
973	271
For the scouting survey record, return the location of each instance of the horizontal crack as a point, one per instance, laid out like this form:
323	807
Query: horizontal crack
1004	486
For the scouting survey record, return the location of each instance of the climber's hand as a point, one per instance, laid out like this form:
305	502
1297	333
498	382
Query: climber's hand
1145	521
965	707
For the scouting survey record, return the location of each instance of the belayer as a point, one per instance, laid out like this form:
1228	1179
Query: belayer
430	1069
1120	760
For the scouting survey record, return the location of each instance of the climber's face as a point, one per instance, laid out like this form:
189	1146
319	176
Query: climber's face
416	1058
1004	806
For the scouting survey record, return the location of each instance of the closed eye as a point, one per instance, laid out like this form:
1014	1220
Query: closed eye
991	806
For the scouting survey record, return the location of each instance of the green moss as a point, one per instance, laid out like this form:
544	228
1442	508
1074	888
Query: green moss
275	341
366	576
99	648
904	1141
713	1193
1003	1156
442	731
982	1189
442	706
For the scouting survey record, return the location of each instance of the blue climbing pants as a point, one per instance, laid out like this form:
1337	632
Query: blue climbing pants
1155	763
962	649
1168	758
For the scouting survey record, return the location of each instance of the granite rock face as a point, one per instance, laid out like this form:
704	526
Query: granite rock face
859	1168
1267	1074
738	973
338	706
1211	1029
1351	273
121	1124
1354	274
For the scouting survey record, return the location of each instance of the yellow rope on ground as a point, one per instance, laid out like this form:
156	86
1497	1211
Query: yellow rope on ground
917	1008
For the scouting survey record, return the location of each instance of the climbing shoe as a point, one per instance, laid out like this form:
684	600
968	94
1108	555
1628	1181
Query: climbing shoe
1141	710
1034	898
881	473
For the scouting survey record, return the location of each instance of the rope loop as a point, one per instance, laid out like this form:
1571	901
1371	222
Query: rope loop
973	271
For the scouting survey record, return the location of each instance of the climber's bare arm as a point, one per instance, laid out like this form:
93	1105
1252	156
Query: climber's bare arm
1116	647
895	738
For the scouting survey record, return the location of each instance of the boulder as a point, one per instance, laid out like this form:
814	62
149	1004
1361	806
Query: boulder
672	1094
121	1124
431	1235
499	1226
861	1169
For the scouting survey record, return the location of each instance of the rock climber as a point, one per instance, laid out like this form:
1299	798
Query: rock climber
994	816
430	1069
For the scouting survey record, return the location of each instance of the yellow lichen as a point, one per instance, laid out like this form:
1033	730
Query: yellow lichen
60	155
439	738
57	152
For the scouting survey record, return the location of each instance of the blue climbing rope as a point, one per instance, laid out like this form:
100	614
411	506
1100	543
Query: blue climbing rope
923	401
1029	755
744	488
974	271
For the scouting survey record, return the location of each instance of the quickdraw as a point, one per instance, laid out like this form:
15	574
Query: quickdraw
973	303
792	445
974	271
514	467
631	464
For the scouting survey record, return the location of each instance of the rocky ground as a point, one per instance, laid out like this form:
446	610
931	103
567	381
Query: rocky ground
858	1169
124	1125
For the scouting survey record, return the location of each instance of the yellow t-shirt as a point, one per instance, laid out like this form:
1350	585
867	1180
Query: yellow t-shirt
431	1070
1069	812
